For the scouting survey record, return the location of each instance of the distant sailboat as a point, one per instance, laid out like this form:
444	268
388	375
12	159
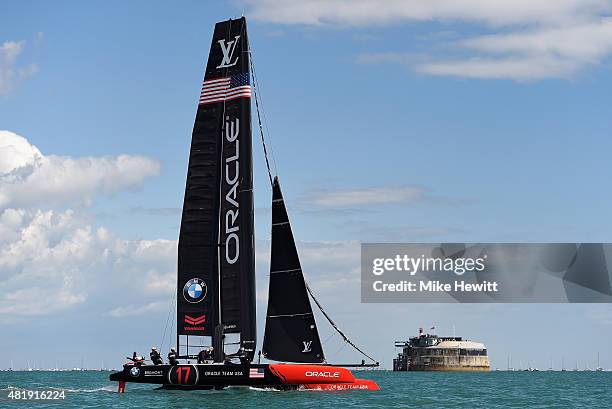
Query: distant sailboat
599	368
550	368
216	256
562	364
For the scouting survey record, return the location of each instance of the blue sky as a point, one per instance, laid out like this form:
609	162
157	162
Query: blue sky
469	121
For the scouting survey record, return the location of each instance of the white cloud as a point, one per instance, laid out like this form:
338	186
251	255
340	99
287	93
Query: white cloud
522	54
346	198
10	73
51	261
135	310
536	39
30	179
558	52
55	261
587	42
368	12
16	152
520	69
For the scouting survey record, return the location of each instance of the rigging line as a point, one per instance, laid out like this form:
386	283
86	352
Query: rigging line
261	133
172	325
340	349
329	337
333	324
265	118
170	310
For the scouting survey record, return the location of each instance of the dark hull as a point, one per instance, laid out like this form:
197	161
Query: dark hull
219	376
188	376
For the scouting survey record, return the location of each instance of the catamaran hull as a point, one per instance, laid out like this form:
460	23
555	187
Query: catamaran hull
217	376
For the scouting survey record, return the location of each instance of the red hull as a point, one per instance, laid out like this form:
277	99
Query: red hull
321	377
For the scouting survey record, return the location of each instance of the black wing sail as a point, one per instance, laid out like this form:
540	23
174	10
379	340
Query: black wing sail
291	333
216	263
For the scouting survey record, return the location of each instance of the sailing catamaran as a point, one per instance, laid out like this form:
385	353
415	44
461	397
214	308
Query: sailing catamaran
216	257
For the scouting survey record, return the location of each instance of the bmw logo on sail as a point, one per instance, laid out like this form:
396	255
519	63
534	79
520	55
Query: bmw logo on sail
195	290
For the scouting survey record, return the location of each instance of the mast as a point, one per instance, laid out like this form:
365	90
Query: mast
216	263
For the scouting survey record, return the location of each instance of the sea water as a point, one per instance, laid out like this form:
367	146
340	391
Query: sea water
92	389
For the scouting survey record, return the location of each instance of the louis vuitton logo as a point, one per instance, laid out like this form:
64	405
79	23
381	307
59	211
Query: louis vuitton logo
228	48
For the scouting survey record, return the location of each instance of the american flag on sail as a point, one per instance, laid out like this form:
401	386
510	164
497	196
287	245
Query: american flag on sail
256	373
226	88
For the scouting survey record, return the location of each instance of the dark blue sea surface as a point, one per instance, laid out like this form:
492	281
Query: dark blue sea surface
398	389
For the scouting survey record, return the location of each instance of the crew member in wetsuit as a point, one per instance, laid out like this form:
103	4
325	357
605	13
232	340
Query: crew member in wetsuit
202	356
172	358
242	355
205	355
138	360
155	357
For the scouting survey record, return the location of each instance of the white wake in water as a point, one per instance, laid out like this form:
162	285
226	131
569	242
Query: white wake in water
255	388
102	389
56	388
